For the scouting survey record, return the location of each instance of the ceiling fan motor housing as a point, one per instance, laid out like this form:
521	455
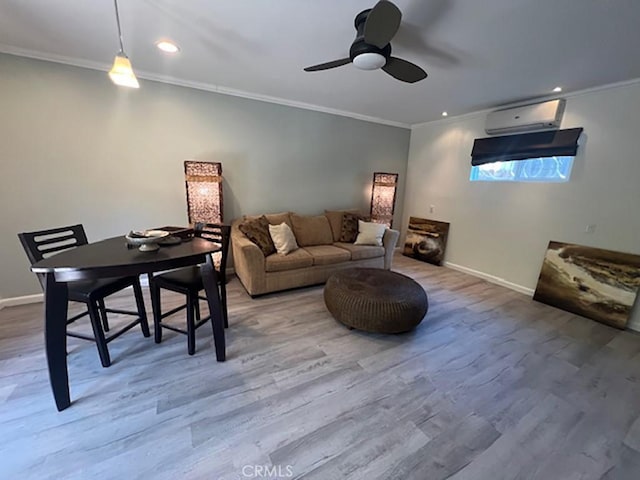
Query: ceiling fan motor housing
363	55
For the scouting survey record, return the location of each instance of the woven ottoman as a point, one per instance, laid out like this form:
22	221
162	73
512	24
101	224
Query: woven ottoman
375	300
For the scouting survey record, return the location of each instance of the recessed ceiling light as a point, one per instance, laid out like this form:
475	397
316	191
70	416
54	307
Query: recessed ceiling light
557	89
167	46
444	114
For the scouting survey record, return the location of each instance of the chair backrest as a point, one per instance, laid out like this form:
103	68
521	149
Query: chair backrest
220	234
44	243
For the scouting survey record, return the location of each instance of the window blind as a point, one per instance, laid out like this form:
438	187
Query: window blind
555	143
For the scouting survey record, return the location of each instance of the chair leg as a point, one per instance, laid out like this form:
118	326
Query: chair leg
223	302
191	326
157	313
103	314
98	334
142	311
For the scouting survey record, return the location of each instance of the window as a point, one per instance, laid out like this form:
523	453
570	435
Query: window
543	169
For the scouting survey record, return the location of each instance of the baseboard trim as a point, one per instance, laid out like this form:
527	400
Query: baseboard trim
39	297
631	325
491	278
24	300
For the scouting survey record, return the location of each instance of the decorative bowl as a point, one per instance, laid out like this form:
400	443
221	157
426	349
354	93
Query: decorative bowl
146	240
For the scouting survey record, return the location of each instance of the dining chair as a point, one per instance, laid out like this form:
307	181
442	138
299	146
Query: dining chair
44	243
188	281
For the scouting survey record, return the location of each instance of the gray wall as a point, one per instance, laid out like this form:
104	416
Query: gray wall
76	149
502	229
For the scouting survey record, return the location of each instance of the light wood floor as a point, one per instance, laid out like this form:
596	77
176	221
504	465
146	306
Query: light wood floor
490	386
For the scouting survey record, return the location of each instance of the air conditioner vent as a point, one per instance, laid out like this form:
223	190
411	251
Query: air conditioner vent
526	118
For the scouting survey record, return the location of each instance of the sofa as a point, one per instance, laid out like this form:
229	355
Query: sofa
320	252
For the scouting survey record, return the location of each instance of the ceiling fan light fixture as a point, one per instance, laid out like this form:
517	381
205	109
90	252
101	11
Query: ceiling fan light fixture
369	61
121	72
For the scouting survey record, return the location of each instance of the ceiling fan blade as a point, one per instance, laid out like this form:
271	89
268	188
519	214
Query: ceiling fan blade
382	24
404	71
328	65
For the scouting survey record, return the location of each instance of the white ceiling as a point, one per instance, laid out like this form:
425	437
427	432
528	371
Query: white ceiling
478	53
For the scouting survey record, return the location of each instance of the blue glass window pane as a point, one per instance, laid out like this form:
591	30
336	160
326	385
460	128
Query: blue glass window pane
544	169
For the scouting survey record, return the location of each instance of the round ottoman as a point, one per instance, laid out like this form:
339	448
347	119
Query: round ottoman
375	300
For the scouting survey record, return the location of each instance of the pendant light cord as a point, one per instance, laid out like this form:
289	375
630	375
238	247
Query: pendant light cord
115	2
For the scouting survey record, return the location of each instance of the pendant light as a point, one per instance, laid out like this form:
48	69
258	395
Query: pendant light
121	73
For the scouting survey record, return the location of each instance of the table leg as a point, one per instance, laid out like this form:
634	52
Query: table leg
210	281
55	336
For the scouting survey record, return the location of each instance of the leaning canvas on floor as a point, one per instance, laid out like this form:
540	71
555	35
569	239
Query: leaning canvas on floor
592	282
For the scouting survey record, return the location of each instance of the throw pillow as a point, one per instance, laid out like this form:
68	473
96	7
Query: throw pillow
283	238
370	233
257	231
274	218
335	220
349	230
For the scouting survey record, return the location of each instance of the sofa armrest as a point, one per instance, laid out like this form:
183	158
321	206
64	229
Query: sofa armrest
248	260
389	241
250	252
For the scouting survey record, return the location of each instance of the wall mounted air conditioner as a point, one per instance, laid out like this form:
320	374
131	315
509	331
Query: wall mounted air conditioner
526	118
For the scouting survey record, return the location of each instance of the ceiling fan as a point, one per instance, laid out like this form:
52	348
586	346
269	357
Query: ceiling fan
371	49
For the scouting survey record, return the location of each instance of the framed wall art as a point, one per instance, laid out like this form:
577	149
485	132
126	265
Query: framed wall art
426	240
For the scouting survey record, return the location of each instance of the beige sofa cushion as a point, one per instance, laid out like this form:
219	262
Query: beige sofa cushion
296	259
335	221
361	252
311	230
328	254
273	218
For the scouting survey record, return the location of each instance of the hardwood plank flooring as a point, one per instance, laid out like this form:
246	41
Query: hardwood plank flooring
490	386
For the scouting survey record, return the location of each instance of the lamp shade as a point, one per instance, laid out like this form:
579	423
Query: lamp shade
383	197
122	74
204	191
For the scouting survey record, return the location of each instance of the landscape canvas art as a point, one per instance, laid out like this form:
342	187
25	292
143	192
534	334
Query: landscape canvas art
426	240
592	282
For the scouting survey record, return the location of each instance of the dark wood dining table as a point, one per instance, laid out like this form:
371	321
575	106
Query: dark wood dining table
114	258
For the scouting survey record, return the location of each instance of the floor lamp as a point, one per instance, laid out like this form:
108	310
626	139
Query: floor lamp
203	182
383	197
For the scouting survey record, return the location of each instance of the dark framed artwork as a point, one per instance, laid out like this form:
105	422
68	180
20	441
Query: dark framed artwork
598	284
426	240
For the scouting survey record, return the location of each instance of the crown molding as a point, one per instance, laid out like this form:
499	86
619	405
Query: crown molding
222	90
207	87
553	96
